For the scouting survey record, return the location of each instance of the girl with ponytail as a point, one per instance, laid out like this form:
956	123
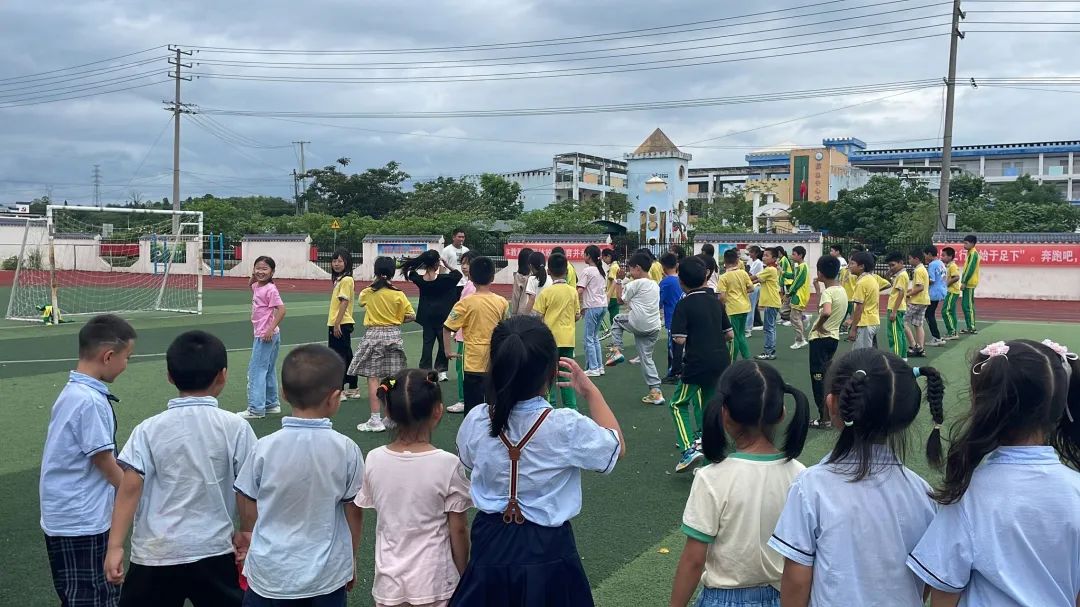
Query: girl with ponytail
850	522
538	279
736	500
1008	531
591	288
526	460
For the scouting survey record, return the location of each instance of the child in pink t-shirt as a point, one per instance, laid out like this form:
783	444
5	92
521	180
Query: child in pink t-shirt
459	337
267	310
421	494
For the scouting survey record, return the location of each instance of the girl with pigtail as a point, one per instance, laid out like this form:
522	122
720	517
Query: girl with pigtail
736	500
850	522
421	494
1008	531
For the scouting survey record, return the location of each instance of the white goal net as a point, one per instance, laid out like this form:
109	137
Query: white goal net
89	260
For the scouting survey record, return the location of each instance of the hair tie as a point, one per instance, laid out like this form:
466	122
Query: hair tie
860	371
915	371
389	384
937	426
991	351
848	423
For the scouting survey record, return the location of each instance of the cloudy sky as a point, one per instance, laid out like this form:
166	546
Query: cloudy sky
52	147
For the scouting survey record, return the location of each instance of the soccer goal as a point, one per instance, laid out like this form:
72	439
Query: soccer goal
92	260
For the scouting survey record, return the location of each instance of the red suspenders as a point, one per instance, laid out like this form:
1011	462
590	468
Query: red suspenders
512	514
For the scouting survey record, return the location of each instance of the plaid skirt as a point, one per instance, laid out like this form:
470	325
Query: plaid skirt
380	354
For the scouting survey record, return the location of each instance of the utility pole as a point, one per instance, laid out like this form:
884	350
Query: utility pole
296	190
303	170
177	109
97	185
950	99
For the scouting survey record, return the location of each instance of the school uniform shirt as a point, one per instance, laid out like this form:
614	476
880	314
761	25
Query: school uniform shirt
953	271
800	286
867	290
452	256
386	307
936	270
301	477
1013	538
898	295
591	283
559	307
856	535
733	507
735	285
921	277
549	471
756	266
786	270
76	499
477	316
466	291
970	278
534	288
188	457
702	320
838	300
670	294
643	297
342	297
412	494
656	272
769	278
436	296
571	275
848	280
612	278
264	300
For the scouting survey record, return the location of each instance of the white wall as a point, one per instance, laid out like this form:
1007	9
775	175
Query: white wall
292	257
1061	283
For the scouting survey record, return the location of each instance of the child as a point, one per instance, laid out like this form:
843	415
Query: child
558	306
735	501
948	311
670	294
79	473
866	315
825	334
538	281
642	294
1010	522
735	288
594	303
179	468
571	272
439	291
897	307
968	281
613	270
476	316
521	279
526	460
295	494
799	294
756	265
381	352
787	276
936	269
855	516
769	300
918	301
459	337
655	271
340	320
701	325
708	250
422	498
837	252
267	310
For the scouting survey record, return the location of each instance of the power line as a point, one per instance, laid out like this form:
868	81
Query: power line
80	87
63	78
74	67
4	106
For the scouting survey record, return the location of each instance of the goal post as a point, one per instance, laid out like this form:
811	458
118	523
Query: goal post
81	260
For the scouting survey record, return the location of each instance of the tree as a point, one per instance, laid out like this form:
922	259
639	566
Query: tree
438	195
561	217
1024	205
875	212
375	192
500	197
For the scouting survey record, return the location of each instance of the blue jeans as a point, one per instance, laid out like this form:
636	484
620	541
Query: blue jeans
757	596
262	390
768	318
753	306
594	355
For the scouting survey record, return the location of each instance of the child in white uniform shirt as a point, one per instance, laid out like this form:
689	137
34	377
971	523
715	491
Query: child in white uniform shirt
851	520
179	468
1009	531
295	494
736	500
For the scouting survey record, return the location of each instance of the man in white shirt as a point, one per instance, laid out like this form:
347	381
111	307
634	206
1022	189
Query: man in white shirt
452	253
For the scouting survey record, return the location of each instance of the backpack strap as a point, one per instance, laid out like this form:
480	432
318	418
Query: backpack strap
512	514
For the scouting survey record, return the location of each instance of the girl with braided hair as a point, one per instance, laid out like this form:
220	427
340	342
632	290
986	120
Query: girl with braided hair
422	497
1008	531
850	522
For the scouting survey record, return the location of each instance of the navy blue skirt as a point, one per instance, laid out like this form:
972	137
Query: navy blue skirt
522	566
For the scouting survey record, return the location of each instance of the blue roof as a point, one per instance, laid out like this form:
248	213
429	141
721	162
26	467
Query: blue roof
781	158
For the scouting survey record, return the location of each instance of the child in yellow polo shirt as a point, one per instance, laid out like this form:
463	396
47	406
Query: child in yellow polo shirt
476	316
734	287
558	305
952	294
866	316
769	300
898	306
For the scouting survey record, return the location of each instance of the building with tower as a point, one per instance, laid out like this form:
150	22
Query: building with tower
656	186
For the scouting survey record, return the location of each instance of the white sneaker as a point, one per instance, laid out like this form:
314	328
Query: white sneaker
654	397
273	410
372	425
442	376
799	344
635	360
245	414
456	408
593	372
758	328
786	323
344	397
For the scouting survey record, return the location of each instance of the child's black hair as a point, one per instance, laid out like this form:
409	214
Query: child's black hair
592	254
753	394
678	250
481	270
309	374
194	359
102	331
537	262
708	249
429	260
835	247
754	251
523	364
731	257
828	266
410	398
268	261
774	252
799	250
971	238
710	265
878	398
692	272
669	261
557	251
894	256
951	252
466	257
916	254
640	260
610	253
930	250
343	255
523	261
780	251
1029	390
557	265
384	269
646	251
865	259
855	248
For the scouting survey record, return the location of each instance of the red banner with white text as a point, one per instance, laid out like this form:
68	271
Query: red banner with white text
1021	254
574	251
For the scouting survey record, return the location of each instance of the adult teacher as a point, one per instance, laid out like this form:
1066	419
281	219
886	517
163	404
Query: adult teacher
451	255
438	294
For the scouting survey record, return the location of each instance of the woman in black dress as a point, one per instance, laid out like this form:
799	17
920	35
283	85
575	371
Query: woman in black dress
438	294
